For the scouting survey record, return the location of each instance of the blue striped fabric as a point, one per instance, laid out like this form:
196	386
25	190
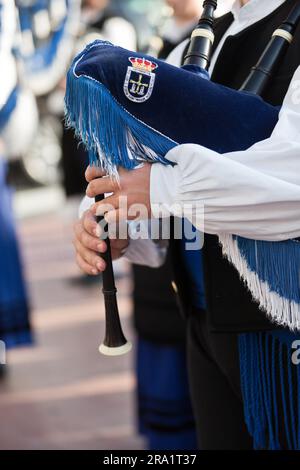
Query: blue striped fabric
165	415
14	308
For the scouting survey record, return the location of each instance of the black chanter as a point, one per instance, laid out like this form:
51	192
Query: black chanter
198	57
264	70
202	38
115	343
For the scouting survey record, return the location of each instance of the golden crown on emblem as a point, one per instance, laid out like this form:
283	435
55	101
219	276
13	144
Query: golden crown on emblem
142	64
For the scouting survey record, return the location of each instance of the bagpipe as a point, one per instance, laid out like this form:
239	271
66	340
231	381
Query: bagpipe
129	108
47	30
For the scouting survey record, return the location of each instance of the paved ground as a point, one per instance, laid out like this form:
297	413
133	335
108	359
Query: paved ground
62	394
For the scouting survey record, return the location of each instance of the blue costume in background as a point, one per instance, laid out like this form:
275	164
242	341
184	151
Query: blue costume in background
14	308
47	31
165	412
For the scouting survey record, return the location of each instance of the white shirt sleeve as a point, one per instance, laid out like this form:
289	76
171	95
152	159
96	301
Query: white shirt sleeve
253	193
146	252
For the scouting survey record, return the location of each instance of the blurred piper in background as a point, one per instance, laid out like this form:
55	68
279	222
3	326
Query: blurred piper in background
177	24
15	101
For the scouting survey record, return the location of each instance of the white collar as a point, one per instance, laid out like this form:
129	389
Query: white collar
254	10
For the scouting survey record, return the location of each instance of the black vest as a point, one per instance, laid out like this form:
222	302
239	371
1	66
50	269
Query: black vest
229	303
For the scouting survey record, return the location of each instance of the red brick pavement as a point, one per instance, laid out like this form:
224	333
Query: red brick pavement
62	394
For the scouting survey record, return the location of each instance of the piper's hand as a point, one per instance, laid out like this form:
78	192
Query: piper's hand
88	245
130	198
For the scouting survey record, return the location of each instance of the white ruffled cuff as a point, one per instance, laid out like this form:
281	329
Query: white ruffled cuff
164	185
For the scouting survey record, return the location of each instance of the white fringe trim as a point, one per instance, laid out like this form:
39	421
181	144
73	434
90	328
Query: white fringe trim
278	309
